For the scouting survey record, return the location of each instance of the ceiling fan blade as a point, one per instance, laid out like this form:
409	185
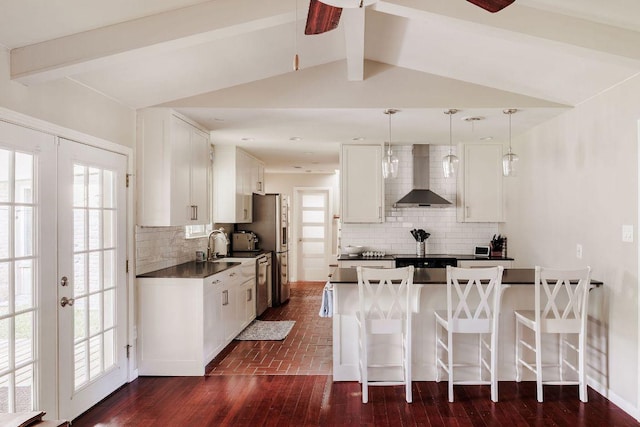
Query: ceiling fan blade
322	18
492	6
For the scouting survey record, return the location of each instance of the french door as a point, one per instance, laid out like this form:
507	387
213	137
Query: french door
62	235
92	313
314	234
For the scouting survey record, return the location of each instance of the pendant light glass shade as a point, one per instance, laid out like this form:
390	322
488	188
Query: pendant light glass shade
509	160
450	161
390	161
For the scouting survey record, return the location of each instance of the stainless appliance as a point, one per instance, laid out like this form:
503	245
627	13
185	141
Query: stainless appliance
242	241
420	195
270	224
425	261
263	282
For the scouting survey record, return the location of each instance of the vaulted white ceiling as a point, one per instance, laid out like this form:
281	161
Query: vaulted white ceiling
228	65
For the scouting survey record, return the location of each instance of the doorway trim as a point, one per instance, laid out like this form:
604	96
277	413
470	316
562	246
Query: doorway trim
296	218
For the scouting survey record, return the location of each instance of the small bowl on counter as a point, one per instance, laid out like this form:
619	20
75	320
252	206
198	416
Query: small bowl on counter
353	250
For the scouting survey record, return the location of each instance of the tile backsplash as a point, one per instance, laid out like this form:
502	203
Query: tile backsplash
161	247
447	235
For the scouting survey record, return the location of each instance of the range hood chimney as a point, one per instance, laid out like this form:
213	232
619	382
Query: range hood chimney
421	196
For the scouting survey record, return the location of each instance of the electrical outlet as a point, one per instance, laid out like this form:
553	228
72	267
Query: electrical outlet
627	233
579	251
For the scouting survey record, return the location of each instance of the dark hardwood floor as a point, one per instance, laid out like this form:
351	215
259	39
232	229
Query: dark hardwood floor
241	390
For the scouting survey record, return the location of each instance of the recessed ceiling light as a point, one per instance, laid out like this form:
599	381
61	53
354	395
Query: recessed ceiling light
247	139
486	138
295	138
297	167
218	119
473	118
357	138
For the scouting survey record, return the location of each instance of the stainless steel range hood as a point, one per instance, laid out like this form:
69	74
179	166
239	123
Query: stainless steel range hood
421	196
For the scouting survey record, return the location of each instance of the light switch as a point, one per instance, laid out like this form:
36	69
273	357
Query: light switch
627	233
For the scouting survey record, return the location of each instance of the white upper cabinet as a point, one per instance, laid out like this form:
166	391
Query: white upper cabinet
361	184
480	183
236	177
173	163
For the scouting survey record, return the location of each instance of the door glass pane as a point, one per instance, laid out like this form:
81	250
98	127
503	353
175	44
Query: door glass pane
109	269
24	389
79	274
24	178
94	190
313	262
23	227
23	342
80	318
24	284
312	232
80	363
109	349
108	226
313	201
311	248
5	168
4	391
108	189
94	271
4	288
4	232
4	344
79	232
109	309
79	194
95	354
94	228
95	314
312	216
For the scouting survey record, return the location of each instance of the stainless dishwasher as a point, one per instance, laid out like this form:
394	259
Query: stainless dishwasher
263	282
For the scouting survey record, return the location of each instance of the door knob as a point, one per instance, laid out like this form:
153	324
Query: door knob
66	301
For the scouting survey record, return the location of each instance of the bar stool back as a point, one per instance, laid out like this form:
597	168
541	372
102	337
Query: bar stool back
473	307
384	312
561	302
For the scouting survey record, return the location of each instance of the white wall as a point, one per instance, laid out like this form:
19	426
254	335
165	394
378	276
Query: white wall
578	184
68	104
447	235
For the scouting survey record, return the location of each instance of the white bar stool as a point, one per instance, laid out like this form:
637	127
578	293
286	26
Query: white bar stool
385	313
473	307
561	302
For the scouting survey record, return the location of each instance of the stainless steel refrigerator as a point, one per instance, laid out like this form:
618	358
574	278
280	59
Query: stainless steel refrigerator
271	223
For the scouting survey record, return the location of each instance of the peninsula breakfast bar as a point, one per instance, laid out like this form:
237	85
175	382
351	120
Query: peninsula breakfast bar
430	295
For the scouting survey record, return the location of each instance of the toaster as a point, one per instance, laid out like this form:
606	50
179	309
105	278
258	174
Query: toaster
242	241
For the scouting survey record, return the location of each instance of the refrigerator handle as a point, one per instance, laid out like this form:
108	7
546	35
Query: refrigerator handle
284	236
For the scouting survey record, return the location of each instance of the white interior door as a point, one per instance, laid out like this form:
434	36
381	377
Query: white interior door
91	256
27	267
314	236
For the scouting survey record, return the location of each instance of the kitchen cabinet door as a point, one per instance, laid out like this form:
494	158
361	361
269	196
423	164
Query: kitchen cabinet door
172	170
480	184
232	186
213	335
246	300
257	176
361	184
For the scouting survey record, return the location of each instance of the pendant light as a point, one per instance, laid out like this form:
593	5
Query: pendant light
450	161
509	160
390	162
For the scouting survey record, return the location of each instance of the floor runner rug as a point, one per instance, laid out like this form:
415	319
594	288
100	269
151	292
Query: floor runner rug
262	330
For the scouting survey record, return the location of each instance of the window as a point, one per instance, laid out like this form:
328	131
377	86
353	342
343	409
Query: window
197	231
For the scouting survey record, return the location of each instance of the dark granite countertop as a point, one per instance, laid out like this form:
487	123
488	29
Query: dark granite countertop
191	270
438	276
391	257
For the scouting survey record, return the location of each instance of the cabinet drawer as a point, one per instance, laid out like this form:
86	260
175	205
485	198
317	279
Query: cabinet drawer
367	263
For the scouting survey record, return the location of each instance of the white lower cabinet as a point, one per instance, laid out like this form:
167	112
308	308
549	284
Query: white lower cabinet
184	323
485	263
380	263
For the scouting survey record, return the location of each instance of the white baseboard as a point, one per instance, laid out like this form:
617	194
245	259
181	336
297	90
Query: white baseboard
623	404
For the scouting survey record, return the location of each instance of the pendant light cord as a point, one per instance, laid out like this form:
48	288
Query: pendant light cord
389	150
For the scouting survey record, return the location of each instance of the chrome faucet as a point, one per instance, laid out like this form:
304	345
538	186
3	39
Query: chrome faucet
210	254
